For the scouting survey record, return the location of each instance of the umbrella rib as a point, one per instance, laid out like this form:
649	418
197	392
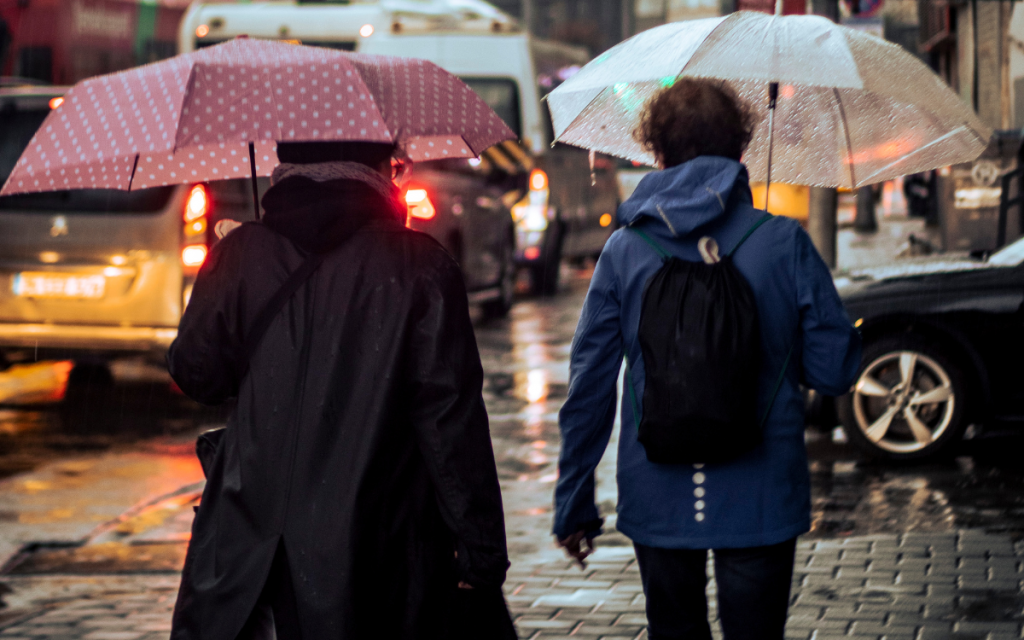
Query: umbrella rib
980	139
578	115
470	147
186	94
846	132
131	178
918	150
695	49
601	92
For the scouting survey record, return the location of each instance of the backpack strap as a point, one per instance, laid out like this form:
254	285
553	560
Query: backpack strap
274	305
763	219
778	385
665	255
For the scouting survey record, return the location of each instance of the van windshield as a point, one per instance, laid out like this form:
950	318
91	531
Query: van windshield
501	95
16	130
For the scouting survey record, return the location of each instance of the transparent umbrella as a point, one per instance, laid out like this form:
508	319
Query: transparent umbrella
851	108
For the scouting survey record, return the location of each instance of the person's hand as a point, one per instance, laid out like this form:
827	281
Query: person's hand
574	547
462	584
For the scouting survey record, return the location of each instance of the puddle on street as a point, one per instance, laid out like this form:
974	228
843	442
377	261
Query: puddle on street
136	403
981	486
526	364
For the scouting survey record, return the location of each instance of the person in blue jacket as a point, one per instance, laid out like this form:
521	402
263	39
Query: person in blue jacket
749	510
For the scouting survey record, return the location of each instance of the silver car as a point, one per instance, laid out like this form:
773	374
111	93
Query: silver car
93	275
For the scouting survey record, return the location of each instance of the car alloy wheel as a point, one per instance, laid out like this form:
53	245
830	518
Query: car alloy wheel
508	275
544	273
905	403
500	306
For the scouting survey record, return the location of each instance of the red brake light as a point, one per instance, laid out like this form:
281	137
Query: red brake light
538	180
198	203
56	102
419	203
194	255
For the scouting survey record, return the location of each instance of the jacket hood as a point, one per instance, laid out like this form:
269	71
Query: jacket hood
688	196
318	216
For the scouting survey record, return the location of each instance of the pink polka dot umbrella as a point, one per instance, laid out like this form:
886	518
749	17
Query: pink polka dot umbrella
218	113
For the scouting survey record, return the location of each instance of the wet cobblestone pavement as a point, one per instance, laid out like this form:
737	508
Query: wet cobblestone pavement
913	552
918	586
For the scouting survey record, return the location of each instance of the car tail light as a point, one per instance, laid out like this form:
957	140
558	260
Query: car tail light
198	203
531	213
538	180
194	255
419	204
56	102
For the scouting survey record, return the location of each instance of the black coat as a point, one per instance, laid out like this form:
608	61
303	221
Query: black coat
359	443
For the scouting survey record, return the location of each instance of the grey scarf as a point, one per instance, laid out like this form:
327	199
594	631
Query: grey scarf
327	171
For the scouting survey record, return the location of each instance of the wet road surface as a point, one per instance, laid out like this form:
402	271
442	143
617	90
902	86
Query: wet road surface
95	513
141	419
138	407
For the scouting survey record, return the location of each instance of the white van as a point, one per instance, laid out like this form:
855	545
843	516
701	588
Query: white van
555	206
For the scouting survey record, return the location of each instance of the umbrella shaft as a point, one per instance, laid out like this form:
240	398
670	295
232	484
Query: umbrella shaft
773	96
255	189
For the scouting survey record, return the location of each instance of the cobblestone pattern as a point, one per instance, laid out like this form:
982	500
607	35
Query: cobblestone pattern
934	586
92	608
955	586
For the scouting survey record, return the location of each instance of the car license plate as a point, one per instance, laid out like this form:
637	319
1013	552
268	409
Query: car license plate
29	284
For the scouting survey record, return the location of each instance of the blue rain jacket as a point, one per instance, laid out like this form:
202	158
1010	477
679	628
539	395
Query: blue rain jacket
763	497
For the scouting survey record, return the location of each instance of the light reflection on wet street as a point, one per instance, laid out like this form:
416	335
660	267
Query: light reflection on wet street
137	431
139	404
980	487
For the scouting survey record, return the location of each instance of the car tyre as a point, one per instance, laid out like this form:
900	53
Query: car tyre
819	410
89	400
544	273
908	403
500	306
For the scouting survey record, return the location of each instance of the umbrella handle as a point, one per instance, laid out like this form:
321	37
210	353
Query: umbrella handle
773	96
255	189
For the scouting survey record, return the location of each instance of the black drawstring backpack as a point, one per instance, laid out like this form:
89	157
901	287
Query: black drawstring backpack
700	339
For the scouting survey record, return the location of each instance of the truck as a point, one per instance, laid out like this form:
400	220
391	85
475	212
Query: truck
561	206
63	41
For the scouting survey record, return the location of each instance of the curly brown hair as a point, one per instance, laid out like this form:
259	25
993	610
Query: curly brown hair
695	117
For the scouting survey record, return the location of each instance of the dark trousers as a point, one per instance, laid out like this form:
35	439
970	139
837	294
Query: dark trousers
753	591
276	612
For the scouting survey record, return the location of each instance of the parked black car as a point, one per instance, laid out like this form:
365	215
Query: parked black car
469	213
943	349
560	207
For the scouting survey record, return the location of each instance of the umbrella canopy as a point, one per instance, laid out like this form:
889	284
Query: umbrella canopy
852	109
193	117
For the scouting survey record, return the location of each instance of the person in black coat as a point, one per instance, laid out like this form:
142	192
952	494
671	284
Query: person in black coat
354	494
